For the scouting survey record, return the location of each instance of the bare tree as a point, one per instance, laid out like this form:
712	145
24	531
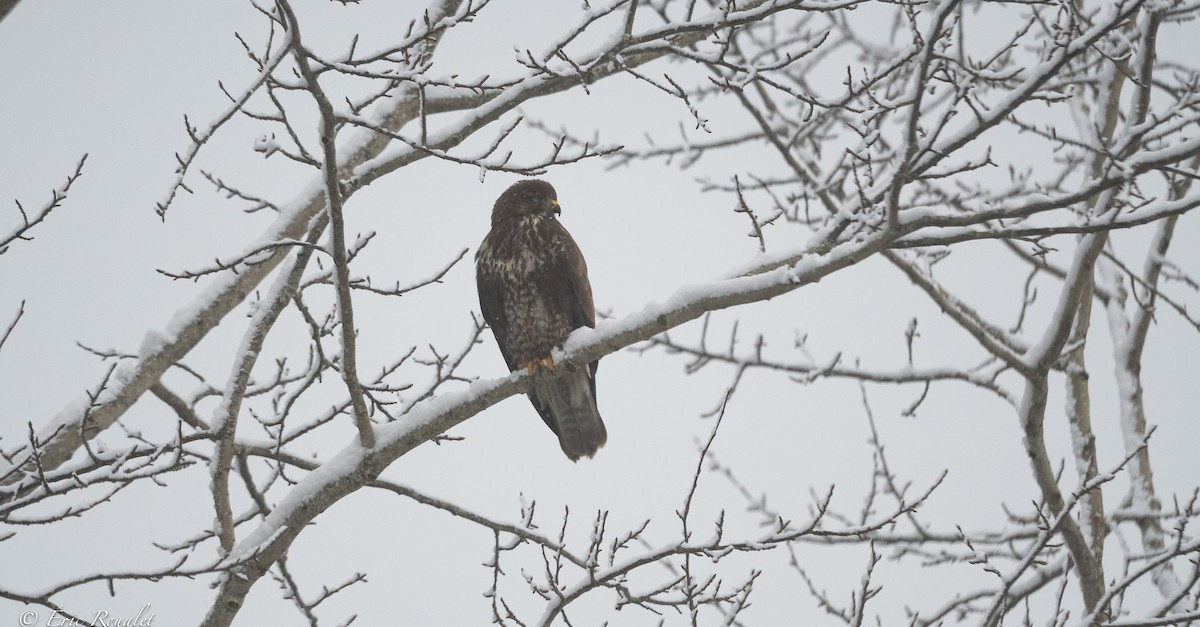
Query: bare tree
924	138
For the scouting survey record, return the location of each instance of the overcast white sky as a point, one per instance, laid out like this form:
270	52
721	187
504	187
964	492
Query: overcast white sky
114	79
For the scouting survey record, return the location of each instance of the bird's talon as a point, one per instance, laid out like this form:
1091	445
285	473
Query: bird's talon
537	366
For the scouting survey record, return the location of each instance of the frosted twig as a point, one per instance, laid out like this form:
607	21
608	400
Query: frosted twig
337	236
12	325
28	222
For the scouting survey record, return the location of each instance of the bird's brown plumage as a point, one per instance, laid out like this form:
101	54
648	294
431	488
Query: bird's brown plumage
534	291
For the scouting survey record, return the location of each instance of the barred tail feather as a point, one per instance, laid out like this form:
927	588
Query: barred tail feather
571	404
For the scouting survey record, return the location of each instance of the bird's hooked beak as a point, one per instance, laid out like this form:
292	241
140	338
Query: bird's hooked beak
555	208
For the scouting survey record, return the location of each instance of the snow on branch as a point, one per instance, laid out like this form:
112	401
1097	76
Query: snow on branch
354	466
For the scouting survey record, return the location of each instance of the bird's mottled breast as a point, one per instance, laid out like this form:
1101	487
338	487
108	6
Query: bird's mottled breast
516	251
518	258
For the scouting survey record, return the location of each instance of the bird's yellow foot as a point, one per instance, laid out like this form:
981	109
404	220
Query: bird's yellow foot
543	363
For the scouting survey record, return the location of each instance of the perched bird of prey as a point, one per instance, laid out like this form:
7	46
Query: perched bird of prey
534	290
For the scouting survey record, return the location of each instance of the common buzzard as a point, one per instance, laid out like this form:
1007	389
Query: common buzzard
534	290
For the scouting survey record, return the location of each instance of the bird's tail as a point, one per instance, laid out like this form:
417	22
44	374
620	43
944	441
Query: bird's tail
571	402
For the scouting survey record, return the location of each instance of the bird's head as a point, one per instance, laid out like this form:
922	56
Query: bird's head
526	199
